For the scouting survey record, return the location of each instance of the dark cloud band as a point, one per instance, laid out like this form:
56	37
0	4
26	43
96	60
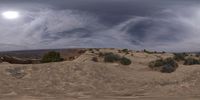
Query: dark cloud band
136	24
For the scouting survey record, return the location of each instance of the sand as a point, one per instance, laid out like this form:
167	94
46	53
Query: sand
83	79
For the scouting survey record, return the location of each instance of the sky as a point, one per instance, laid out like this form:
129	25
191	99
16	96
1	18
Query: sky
161	25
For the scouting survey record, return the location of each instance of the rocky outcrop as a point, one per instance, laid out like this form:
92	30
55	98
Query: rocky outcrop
14	60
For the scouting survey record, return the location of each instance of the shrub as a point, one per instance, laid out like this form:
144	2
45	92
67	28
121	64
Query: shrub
101	54
156	63
191	61
81	51
137	51
167	65
197	54
167	68
90	49
71	58
119	51
125	61
125	50
110	57
51	57
95	59
148	52
180	56
97	49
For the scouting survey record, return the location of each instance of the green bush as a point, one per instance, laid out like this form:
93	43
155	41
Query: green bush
110	57
167	69
148	52
51	56
125	50
157	63
191	61
125	61
180	56
167	65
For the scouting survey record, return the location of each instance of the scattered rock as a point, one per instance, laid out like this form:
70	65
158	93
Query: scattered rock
16	72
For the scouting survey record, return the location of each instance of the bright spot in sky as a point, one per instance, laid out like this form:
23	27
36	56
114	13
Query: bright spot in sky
10	14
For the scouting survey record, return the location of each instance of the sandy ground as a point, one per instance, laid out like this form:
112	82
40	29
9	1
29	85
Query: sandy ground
136	98
83	79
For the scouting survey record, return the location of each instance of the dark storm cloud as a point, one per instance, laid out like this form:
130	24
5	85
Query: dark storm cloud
112	11
170	25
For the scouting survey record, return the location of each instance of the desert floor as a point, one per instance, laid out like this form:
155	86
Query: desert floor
83	79
114	98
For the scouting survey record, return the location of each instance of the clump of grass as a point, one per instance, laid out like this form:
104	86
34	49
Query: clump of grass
167	65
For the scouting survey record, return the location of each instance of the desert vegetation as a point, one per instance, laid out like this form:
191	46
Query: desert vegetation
125	61
126	51
152	52
95	59
148	52
167	65
111	57
191	61
180	56
81	51
51	56
102	69
187	59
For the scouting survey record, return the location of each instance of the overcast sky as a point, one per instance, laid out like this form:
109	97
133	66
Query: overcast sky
164	25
